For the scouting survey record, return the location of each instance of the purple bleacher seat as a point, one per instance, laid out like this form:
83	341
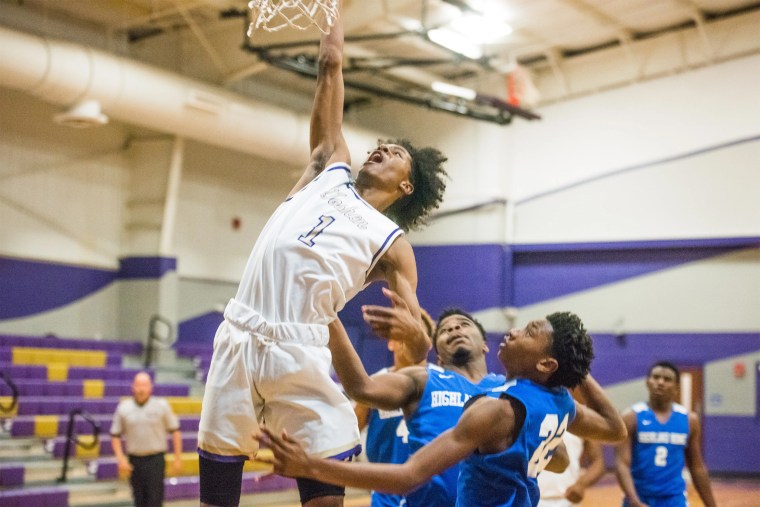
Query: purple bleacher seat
202	362
171	390
126	374
11	474
124	347
125	389
38	497
43	387
54	389
23	371
113	358
104	469
38	405
189	423
193	349
57	446
23	426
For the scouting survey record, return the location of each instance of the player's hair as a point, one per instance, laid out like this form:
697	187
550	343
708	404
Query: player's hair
571	346
668	365
448	312
427	176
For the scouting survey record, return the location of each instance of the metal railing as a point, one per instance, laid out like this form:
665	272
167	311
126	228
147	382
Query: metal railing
14	394
71	438
155	337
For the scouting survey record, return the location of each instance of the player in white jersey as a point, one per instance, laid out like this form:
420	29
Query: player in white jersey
329	239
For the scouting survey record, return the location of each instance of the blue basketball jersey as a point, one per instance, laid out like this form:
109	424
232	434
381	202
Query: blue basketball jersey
439	409
387	442
509	478
657	452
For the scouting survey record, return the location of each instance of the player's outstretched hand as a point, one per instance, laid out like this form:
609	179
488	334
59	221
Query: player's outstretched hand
289	458
392	323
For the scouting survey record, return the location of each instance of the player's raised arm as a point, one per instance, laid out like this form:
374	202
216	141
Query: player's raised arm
480	426
388	391
599	420
326	142
400	322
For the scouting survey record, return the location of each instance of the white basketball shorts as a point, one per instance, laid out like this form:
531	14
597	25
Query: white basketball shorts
286	385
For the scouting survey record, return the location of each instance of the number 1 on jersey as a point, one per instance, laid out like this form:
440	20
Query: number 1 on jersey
308	238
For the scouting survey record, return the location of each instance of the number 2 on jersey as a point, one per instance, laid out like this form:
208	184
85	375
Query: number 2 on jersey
660	456
553	431
308	238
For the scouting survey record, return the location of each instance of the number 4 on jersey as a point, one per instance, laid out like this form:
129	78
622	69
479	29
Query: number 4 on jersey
308	238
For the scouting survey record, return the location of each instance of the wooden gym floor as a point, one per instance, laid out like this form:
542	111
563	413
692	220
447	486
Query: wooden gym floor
729	492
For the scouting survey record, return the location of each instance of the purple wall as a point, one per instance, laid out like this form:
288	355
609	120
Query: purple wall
474	277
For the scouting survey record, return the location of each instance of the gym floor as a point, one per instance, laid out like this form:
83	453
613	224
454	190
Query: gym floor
729	492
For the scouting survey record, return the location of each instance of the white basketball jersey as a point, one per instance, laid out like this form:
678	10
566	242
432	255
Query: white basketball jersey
315	252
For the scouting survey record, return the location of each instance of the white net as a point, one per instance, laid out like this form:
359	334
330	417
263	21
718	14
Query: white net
273	15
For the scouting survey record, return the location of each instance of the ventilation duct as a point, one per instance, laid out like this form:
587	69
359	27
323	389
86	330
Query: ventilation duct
69	74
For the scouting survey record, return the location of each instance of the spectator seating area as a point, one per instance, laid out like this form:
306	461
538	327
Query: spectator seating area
199	353
51	377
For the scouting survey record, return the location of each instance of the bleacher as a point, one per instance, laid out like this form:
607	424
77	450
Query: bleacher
199	353
48	378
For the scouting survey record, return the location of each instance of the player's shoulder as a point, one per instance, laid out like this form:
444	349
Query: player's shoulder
680	409
435	368
639	407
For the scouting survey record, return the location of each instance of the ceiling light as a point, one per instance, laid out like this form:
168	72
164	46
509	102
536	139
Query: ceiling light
455	42
480	28
457	91
83	114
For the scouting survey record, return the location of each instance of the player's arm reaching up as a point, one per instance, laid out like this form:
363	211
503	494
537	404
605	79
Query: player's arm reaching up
388	391
326	140
597	419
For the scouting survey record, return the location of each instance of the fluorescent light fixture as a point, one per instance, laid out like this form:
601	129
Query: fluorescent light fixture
455	42
480	28
411	24
457	91
494	9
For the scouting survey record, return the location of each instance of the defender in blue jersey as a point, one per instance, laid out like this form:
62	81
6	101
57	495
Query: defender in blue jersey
387	438
432	398
506	437
663	437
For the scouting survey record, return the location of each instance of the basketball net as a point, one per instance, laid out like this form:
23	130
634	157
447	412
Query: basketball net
273	15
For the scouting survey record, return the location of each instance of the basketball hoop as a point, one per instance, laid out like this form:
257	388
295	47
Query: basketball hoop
274	15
